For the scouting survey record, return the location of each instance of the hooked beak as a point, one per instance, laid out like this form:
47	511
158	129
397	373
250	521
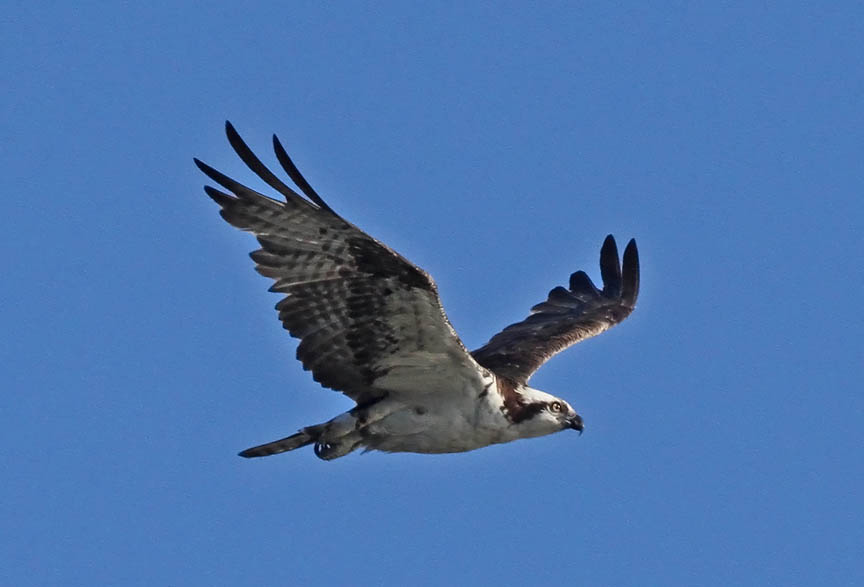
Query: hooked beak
575	422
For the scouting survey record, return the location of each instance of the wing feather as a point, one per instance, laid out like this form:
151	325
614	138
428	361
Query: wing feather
566	317
295	175
359	308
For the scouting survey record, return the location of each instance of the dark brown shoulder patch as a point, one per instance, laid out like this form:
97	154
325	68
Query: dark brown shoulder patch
515	408
370	258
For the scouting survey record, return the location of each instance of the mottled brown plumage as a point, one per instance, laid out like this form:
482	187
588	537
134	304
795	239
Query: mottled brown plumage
350	299
566	317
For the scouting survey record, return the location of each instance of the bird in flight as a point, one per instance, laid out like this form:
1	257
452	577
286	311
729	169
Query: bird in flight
371	325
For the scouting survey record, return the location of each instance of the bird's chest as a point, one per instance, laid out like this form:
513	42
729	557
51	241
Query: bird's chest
435	426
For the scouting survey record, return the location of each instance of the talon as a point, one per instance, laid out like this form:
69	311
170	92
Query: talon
328	451
321	449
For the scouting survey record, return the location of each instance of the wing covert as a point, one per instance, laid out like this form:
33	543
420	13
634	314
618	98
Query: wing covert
566	317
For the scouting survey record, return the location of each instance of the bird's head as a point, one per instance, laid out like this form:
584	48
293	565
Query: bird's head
538	413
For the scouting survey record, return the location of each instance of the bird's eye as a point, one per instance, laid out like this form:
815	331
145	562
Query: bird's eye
555	407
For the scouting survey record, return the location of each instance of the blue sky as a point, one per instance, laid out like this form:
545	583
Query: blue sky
495	145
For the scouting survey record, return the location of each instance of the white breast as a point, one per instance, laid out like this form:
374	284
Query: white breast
443	422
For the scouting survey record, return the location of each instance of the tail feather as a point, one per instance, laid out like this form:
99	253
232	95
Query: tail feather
304	437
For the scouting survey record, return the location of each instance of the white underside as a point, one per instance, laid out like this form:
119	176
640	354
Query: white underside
445	420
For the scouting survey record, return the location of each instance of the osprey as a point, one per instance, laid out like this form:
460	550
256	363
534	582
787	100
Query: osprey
371	325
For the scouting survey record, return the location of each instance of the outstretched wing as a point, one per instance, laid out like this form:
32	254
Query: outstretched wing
567	317
369	321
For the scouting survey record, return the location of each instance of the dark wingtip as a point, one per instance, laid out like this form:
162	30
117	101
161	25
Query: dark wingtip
220	198
212	173
297	177
630	290
610	267
609	250
631	251
256	165
581	285
231	132
233	135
